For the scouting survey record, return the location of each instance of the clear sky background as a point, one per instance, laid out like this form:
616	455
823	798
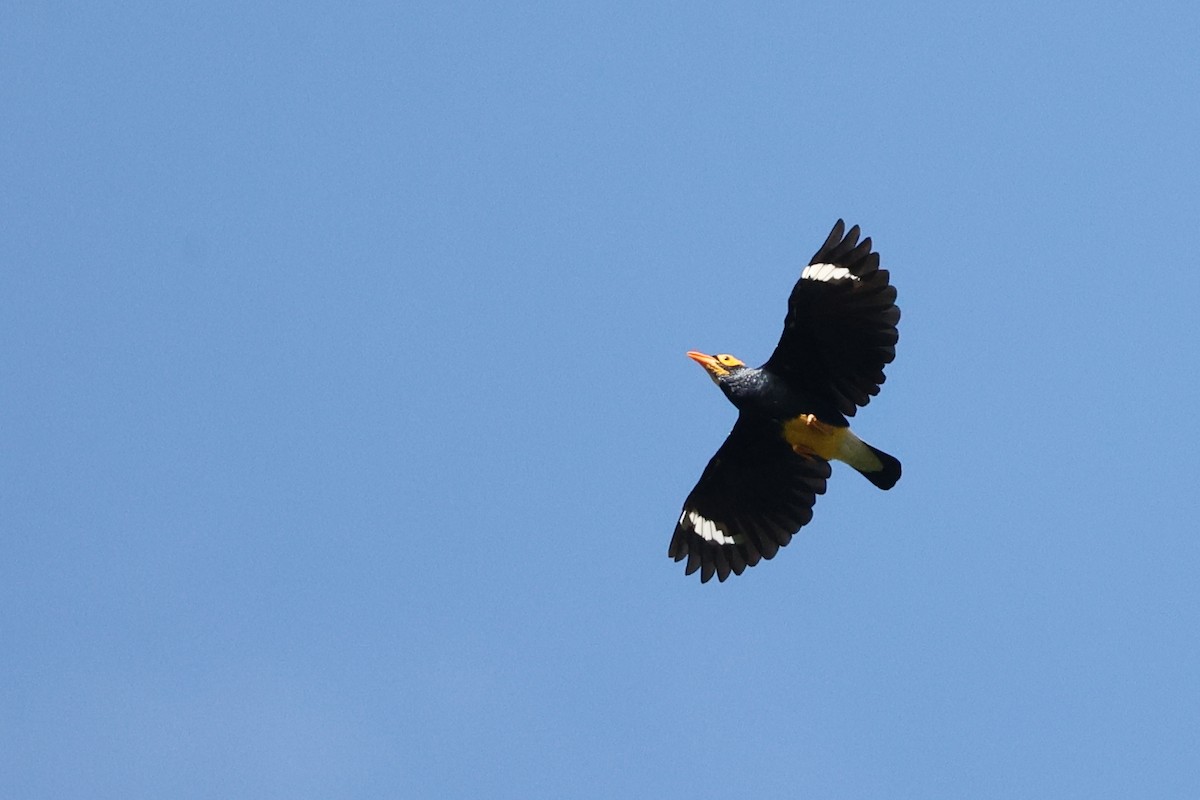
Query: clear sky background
344	412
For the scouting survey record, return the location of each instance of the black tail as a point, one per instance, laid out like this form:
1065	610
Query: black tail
886	476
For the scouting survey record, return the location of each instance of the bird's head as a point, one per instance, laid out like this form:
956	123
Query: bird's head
720	367
744	386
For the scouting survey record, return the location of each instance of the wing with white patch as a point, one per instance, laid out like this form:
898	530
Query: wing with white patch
755	493
840	329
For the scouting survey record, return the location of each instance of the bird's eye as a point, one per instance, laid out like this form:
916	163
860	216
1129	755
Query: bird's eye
729	361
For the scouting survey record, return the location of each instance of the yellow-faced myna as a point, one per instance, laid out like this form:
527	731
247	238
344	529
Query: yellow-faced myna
759	488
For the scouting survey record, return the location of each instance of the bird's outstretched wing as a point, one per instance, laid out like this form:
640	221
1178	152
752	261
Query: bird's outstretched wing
840	329
753	495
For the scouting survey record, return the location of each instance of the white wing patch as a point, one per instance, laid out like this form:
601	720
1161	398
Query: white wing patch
826	272
707	529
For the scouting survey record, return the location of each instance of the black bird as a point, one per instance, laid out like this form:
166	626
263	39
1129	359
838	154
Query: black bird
759	488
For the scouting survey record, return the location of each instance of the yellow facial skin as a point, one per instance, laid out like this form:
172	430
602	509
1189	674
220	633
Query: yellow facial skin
727	360
719	364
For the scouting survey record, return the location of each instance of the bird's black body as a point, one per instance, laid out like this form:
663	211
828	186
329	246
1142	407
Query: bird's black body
763	393
760	487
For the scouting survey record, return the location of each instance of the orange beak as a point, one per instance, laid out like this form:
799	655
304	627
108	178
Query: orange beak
710	363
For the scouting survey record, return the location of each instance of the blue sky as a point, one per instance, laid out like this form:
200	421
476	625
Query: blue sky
345	412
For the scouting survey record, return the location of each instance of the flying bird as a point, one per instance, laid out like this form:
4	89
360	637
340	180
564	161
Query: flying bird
760	487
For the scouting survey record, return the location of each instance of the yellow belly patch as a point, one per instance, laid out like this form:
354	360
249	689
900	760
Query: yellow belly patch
808	435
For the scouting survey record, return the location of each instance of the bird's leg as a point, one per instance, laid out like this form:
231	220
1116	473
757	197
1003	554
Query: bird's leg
813	432
819	427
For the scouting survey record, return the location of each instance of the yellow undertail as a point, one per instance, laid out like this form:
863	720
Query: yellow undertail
809	436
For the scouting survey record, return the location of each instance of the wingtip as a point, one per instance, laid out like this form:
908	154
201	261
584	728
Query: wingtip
839	229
